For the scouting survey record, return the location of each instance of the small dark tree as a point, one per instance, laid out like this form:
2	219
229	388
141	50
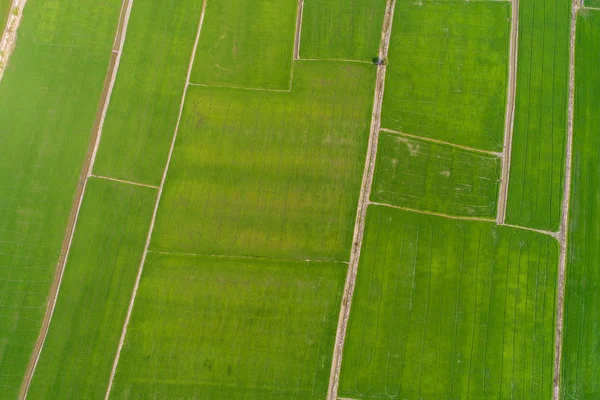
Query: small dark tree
379	61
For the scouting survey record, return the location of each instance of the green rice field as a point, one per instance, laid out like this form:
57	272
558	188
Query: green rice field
447	72
538	150
96	287
449	309
581	343
341	30
4	12
269	173
435	177
246	43
240	328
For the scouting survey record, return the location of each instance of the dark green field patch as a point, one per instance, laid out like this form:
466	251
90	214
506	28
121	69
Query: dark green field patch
247	43
447	72
540	126
435	177
447	309
581	341
334	29
227	328
269	173
82	342
145	102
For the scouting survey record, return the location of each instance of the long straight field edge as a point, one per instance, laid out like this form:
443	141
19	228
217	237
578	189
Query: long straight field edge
300	199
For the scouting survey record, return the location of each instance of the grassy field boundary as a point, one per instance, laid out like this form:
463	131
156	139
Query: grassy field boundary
78	200
363	202
124	181
158	197
564	219
9	35
509	120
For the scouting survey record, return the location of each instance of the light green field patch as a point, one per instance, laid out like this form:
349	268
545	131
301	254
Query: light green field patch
581	341
435	177
219	328
48	99
144	104
447	309
247	43
447	72
537	161
334	29
81	345
268	173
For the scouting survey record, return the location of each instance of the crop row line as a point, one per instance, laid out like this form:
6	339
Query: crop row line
86	173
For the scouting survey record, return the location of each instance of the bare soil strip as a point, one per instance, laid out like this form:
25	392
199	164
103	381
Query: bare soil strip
510	113
123	181
564	220
245	257
85	174
555	235
298	29
426	139
415	210
9	36
156	204
363	202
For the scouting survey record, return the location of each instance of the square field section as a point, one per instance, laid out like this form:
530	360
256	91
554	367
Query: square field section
246	43
447	72
447	309
231	328
435	177
269	173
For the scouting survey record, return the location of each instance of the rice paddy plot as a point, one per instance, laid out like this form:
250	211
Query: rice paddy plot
333	29
581	341
268	173
447	309
247	43
48	99
96	288
537	161
4	12
145	102
447	72
435	177
591	3
219	327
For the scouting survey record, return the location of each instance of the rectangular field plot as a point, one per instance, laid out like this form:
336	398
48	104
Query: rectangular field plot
227	328
268	173
447	309
334	29
581	341
246	43
447	72
537	161
48	99
144	104
96	288
435	177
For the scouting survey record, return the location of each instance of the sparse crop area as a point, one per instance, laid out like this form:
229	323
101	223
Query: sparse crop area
449	309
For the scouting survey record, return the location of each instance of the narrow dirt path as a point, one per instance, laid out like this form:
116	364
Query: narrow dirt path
85	174
510	113
9	35
564	220
363	202
156	204
298	29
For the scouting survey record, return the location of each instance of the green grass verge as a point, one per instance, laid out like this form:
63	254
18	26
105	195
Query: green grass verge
447	72
144	105
96	288
447	309
247	43
537	161
581	342
268	173
48	100
341	29
435	177
219	328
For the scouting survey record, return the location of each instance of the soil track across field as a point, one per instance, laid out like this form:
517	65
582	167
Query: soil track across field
85	174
